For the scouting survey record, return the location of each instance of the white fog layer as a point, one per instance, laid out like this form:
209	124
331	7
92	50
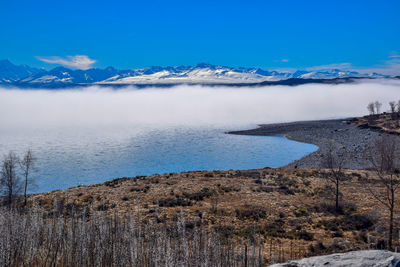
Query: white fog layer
190	105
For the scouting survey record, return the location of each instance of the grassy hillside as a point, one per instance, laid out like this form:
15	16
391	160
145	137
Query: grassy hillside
287	213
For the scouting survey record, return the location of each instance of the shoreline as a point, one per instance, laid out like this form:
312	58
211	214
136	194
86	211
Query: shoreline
337	133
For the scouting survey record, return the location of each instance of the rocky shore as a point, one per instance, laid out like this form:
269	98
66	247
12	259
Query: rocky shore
326	134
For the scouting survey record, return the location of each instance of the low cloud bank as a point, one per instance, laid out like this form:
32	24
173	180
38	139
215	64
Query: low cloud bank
190	105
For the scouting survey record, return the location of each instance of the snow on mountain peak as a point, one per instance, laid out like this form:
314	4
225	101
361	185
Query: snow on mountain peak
202	73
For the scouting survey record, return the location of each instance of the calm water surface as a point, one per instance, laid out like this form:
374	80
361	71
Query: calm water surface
70	157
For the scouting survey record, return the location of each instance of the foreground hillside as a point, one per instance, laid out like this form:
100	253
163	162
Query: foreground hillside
288	213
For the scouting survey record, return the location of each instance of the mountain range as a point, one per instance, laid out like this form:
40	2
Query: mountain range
202	73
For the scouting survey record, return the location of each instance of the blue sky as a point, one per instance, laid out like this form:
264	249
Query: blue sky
266	34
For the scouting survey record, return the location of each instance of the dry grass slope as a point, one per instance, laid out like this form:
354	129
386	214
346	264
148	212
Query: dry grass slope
289	212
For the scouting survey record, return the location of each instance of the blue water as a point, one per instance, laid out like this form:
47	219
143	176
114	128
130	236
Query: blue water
82	156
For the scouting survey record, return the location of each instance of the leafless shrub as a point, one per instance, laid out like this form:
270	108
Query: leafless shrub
371	108
384	162
10	181
334	160
95	239
378	106
392	105
27	164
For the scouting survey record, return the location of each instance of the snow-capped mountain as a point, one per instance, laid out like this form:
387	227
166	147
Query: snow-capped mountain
10	73
199	74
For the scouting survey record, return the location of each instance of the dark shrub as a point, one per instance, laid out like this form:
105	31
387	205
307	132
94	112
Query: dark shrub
115	182
356	222
88	198
303	234
174	202
301	212
228	189
251	212
224	231
286	190
275	229
266	189
199	196
337	234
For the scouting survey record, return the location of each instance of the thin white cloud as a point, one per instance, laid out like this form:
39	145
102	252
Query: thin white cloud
284	60
81	62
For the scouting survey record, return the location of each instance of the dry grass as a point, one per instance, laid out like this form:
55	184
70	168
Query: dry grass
386	122
288	209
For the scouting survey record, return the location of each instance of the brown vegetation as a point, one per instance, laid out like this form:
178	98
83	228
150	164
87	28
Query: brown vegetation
388	122
285	213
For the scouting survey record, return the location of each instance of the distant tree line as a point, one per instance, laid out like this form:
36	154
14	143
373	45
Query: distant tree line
375	108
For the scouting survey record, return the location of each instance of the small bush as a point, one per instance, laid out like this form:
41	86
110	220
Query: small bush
115	182
266	189
88	199
251	212
224	231
275	229
337	234
356	222
228	189
349	223
286	190
199	196
174	202
102	207
301	212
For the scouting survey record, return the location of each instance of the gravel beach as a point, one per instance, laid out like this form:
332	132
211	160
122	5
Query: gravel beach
325	134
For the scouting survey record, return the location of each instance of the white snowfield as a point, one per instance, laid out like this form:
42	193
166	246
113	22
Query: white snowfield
220	75
362	258
203	75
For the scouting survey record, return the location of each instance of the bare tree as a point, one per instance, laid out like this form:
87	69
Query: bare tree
378	106
392	105
31	238
384	162
10	181
371	108
27	164
334	160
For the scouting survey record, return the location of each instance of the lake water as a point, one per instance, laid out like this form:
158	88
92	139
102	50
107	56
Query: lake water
70	157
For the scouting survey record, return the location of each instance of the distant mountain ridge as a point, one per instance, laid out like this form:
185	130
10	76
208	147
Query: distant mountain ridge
10	73
202	73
